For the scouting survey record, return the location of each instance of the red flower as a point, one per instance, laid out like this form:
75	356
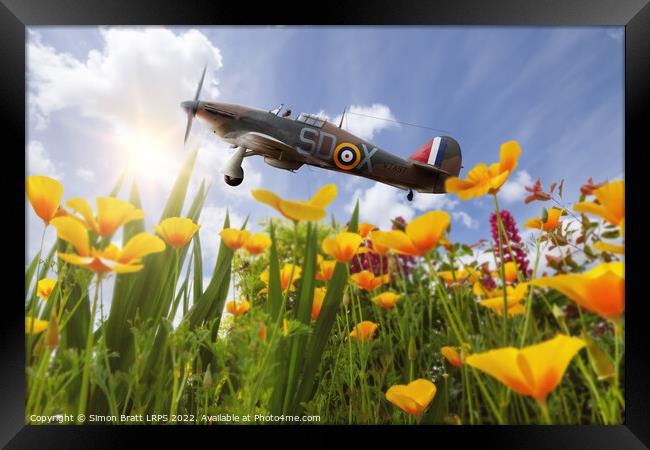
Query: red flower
589	187
537	193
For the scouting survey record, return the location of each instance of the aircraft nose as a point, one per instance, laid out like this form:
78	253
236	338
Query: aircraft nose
190	106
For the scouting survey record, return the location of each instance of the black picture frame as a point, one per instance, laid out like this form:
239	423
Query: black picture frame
16	15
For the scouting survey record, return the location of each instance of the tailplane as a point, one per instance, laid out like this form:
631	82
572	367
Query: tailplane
441	154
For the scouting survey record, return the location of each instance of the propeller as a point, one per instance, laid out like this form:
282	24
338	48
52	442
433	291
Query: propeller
191	107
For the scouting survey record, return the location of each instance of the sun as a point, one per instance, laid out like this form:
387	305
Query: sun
148	156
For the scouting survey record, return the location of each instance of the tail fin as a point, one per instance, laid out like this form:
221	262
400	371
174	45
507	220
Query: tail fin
442	152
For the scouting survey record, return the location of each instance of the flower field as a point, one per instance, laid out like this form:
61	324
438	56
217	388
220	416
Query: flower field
316	321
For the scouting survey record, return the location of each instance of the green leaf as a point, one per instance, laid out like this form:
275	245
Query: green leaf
610	234
29	275
274	292
544	215
197	284
118	184
325	322
135	226
174	204
303	315
211	301
600	362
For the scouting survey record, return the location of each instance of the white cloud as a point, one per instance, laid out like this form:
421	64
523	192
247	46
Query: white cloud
513	190
85	174
134	84
465	219
139	76
39	162
381	203
364	121
427	202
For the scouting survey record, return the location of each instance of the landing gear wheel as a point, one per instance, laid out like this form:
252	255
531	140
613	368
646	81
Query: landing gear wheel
230	181
409	196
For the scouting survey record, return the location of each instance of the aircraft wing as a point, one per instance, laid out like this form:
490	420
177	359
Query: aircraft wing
268	145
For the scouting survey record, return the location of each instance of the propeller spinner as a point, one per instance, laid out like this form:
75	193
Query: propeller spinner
191	106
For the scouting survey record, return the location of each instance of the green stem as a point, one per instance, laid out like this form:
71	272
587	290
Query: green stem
545	414
83	397
34	300
503	270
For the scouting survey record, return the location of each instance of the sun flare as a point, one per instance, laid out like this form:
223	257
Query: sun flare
148	155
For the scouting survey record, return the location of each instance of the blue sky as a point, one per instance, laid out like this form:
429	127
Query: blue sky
102	98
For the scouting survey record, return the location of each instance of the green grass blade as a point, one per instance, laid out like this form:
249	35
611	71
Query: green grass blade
320	336
197	284
174	204
118	185
210	300
135	226
274	294
303	314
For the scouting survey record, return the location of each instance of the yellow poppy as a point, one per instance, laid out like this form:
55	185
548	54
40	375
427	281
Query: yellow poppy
364	331
421	235
296	210
535	370
177	231
386	299
608	247
39	325
510	269
469	274
112	213
45	287
285	327
237	308
375	238
326	269
286	281
317	303
600	290
367	280
365	229
44	194
452	355
110	258
513	297
479	290
482	179
552	221
343	246
611	203
412	398
234	238
257	243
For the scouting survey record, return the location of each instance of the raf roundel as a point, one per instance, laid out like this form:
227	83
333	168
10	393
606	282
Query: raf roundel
347	156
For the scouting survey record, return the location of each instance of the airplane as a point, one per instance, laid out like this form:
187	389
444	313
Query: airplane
289	144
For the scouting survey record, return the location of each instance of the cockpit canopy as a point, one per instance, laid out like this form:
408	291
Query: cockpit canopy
310	120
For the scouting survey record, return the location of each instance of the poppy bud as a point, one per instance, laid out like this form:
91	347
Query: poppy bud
52	336
412	351
207	379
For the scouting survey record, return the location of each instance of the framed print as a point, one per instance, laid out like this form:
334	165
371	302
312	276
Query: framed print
409	217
